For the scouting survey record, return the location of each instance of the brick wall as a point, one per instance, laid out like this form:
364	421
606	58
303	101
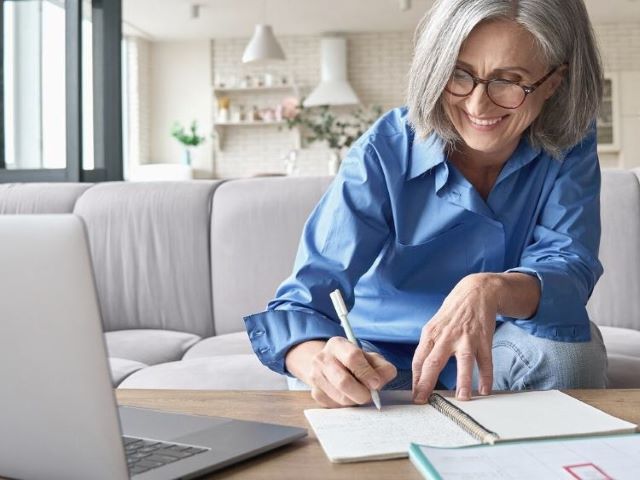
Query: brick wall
620	46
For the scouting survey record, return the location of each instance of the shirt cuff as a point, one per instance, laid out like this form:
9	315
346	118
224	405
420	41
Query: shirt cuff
273	332
560	316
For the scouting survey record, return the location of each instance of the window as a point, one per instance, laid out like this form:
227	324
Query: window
61	120
608	119
34	85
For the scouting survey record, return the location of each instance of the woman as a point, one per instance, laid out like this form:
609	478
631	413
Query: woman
463	231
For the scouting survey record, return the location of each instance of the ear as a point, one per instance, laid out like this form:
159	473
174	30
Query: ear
555	81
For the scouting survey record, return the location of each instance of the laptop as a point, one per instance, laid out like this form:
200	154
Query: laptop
58	413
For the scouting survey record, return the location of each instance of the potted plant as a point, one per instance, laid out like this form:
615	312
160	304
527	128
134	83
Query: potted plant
188	139
320	124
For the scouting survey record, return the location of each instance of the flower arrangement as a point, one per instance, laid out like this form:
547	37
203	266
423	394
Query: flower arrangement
187	138
321	124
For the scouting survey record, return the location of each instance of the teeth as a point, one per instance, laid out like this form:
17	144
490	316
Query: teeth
478	121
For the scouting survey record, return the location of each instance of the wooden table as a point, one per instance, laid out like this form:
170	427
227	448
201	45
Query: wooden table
304	459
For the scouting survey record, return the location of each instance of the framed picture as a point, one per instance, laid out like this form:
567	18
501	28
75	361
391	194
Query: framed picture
608	121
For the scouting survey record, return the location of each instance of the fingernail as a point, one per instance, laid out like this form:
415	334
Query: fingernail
374	382
463	393
419	399
484	390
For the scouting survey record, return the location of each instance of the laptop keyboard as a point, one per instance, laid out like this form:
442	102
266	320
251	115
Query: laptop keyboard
143	454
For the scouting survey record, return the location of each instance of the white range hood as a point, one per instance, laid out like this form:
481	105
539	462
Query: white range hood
334	88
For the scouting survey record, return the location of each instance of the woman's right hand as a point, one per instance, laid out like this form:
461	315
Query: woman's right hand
339	373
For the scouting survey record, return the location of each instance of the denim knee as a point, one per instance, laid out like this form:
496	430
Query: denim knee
525	362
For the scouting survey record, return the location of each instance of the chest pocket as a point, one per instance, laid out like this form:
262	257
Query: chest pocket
434	265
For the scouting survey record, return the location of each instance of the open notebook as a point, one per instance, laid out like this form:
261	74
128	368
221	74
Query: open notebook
364	433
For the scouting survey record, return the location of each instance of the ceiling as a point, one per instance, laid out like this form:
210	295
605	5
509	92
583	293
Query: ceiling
171	19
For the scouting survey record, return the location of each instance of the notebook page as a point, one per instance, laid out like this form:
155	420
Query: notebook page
540	415
587	458
364	433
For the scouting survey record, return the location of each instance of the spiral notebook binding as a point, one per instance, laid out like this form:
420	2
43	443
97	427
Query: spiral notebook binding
462	419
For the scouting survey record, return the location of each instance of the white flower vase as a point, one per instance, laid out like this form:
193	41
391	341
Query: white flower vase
291	163
186	157
334	161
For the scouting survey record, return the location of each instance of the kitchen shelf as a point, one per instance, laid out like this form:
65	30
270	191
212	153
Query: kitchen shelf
257	123
272	94
278	88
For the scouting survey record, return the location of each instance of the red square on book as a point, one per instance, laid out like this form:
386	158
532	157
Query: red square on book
587	471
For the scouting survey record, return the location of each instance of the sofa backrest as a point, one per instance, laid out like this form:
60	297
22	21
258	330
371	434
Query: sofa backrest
256	225
165	258
28	198
149	244
616	298
255	228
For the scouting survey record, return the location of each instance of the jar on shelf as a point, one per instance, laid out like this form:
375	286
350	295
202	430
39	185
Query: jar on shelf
267	115
235	114
255	114
223	109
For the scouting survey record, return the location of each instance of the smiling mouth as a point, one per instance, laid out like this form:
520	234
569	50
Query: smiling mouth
485	122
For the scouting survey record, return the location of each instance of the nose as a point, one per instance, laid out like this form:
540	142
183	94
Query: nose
478	101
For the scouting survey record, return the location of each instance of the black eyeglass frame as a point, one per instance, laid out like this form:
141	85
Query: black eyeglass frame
527	89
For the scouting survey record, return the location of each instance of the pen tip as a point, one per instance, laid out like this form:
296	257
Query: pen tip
375	396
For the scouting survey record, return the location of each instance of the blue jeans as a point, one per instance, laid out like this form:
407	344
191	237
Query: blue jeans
522	361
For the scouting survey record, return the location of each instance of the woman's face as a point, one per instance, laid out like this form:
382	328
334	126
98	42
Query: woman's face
498	49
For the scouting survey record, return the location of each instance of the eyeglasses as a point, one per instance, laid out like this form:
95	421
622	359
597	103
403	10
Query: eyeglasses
504	93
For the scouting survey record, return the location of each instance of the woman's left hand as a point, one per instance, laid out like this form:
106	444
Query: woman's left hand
463	326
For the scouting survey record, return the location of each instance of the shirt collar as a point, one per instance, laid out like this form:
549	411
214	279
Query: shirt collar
523	155
426	154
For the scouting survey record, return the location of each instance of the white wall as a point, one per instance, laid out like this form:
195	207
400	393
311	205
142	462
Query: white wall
180	90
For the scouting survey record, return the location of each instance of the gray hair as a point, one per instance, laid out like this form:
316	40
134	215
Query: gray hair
563	33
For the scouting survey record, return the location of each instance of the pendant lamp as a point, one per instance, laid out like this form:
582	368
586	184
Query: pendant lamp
263	46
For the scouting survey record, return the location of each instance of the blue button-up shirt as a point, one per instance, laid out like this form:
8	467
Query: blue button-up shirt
400	226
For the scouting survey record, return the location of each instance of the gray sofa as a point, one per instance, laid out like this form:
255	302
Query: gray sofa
178	264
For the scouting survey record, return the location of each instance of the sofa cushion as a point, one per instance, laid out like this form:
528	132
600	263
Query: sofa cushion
255	228
623	371
149	346
621	341
23	198
121	368
616	297
223	372
623	353
228	344
150	248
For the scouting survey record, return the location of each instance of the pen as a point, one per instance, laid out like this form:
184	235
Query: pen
341	310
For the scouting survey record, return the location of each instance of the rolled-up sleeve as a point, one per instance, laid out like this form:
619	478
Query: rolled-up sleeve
340	241
563	254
